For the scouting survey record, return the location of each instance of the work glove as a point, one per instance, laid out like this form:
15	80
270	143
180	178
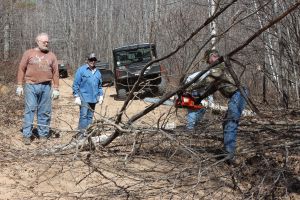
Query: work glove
77	101
55	94
19	90
100	99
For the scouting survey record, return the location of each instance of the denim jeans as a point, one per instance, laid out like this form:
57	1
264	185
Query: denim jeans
37	99
236	106
86	115
193	117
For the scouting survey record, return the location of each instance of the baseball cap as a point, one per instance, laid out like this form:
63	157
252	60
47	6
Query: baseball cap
92	56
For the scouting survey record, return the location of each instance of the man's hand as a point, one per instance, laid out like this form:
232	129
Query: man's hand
77	101
19	90
55	94
100	100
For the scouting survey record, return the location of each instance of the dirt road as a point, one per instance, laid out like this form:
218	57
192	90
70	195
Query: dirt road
26	175
148	165
66	113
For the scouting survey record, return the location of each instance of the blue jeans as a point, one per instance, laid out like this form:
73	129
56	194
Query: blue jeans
37	99
236	106
86	115
193	117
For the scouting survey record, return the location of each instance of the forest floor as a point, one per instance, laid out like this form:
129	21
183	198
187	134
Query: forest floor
146	162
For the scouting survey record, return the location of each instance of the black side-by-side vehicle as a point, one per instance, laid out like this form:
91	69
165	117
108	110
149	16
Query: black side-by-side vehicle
106	73
129	61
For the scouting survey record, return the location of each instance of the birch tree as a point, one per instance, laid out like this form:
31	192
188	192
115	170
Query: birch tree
213	25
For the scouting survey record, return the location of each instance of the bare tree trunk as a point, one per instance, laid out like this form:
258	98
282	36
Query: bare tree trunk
269	56
213	25
109	18
95	44
294	55
71	31
291	77
269	46
154	22
284	89
264	84
6	40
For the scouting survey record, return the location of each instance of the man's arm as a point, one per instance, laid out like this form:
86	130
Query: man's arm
55	73
209	82
22	68
76	83
205	85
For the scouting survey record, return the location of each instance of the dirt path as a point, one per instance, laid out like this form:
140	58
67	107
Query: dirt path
66	113
26	175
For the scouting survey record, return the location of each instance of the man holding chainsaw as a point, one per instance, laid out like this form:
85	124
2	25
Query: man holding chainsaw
194	105
218	78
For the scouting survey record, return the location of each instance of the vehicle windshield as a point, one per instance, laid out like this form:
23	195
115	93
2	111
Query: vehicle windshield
139	55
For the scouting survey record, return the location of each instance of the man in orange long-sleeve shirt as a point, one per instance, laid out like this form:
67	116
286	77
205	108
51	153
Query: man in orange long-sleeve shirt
38	69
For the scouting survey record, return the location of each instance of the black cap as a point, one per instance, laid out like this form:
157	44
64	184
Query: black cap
92	56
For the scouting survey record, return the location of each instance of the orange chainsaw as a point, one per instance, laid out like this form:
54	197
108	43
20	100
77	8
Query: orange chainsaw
186	100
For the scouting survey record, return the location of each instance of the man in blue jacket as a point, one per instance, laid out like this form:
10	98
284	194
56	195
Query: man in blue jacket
87	90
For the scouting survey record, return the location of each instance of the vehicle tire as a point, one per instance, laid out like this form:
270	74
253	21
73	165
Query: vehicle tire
63	74
121	94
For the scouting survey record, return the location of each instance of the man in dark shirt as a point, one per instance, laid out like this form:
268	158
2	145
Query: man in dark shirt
219	79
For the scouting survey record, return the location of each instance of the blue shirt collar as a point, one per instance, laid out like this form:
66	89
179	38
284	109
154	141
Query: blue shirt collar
87	67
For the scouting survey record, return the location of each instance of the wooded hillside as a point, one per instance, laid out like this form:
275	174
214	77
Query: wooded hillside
270	62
